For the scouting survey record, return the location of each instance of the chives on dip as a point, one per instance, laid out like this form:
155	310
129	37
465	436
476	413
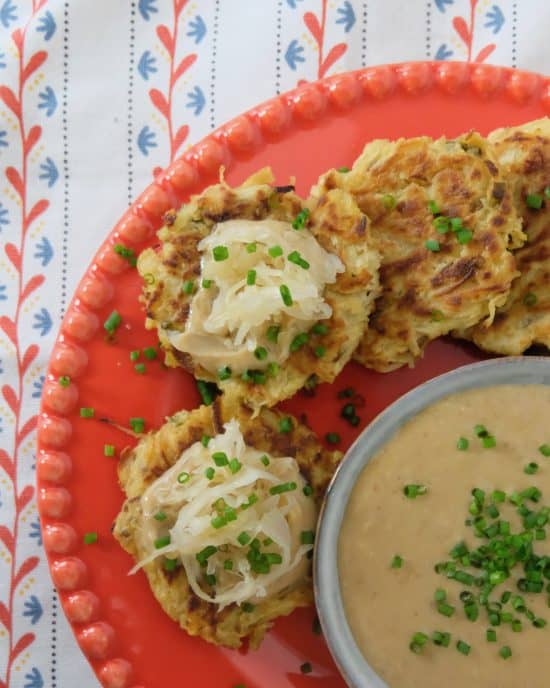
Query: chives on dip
444	547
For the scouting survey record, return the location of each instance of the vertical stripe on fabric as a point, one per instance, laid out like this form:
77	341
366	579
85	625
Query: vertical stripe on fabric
428	29
364	35
53	642
215	31
65	129
132	56
514	34
278	32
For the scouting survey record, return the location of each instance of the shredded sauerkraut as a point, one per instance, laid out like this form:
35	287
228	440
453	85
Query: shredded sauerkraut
233	516
229	318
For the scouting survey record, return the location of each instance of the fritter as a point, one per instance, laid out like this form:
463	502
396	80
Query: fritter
277	435
523	153
442	220
255	291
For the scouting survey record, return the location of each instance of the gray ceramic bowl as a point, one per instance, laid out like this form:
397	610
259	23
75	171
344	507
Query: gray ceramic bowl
348	657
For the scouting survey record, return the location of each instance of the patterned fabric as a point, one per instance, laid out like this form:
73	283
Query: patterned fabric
95	96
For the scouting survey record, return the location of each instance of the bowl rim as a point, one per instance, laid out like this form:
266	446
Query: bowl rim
518	370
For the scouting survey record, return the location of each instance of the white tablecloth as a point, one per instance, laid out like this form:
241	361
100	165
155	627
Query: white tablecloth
94	95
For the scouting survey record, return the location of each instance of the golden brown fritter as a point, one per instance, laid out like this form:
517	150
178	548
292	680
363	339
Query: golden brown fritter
431	282
157	452
339	227
523	154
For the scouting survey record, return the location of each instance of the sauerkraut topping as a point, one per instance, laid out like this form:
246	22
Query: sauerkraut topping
255	275
235	518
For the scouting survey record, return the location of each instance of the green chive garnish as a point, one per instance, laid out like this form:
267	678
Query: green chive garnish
505	652
90	538
183	477
243	538
209	473
433	208
462	444
491	635
64	380
207	391
343	169
307	490
140	368
534	201
220	253
188	287
285	425
531	468
134	355
265	460
282	487
170	564
235	465
463	647
412	491
445	609
137	425
273	333
432	245
301	219
307	537
285	295
108	450
320	329
87	412
150	353
251	248
162	542
220	458
388	201
544	449
464	236
275	251
205	439
297	259
224	373
160	516
298	341
417	643
441	638
113	322
203	556
397	562
530	299
332	438
261	353
251	277
488	442
206	283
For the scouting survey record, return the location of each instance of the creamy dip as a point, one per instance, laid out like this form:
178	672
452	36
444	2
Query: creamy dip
385	605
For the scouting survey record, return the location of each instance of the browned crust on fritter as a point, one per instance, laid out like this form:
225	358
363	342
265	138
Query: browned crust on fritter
338	226
155	453
426	294
524	154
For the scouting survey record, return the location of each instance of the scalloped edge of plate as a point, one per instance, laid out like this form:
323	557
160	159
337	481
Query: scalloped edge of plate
243	135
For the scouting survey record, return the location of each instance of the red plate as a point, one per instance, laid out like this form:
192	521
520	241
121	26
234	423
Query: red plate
119	625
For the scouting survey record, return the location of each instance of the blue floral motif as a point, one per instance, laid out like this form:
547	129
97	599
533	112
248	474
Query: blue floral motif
441	4
147	65
34	679
38	386
198	29
292	3
42	322
8	13
49	172
495	19
44	251
146	140
3	142
2	58
4	216
294	54
346	16
3	296
47	101
33	608
47	25
196	100
147	8
36	533
443	53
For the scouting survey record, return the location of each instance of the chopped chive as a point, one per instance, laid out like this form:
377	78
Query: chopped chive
220	458
441	224
531	468
437	315
188	287
441	638
265	460
113	322
412	491
440	595
183	477
299	341
544	449
261	353
433	208
445	609
87	412
456	223
462	444
481	431
286	425
307	537
488	442
534	201
207	391
343	169
206	283
464	236
170	564
64	380
286	295
320	329
332	438
505	652
244	538
150	353
547	192
463	647
498	496
235	465
307	490
282	487
134	355
210	579
251	248
218	522
418	641
224	373
205	439
209	473
90	538
296	258
273	333
203	556
137	425
432	245
275	251
162	542
108	450
220	253
126	253
397	562
319	351
140	368
530	299
301	219
248	607
251	277
388	201
491	635
228	565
